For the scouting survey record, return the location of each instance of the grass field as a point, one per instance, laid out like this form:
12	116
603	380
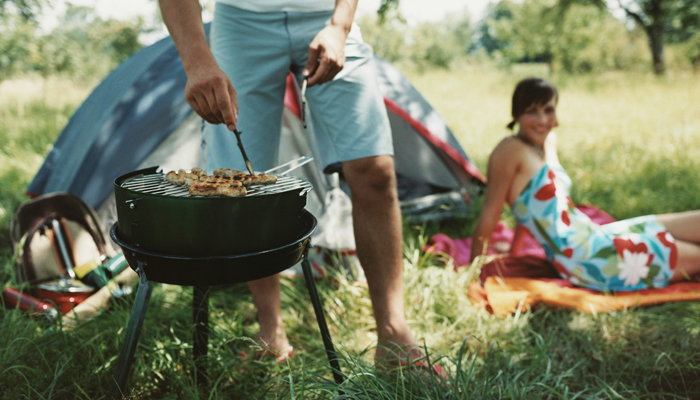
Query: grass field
629	143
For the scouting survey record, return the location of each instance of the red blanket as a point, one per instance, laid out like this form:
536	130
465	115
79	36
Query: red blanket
521	277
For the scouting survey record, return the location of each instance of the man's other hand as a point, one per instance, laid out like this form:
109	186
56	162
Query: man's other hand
326	55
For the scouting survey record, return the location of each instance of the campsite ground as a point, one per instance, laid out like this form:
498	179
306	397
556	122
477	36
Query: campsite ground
629	142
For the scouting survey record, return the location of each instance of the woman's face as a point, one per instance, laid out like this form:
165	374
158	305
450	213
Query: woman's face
537	121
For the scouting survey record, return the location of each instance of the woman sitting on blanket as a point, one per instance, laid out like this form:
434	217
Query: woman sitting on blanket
524	170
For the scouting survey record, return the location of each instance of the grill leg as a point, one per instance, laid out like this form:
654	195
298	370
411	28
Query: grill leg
133	331
200	310
321	319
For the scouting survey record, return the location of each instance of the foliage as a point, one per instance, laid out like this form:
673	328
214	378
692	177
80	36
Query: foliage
81	46
683	22
433	45
26	9
576	38
426	45
388	9
582	36
388	38
16	39
664	20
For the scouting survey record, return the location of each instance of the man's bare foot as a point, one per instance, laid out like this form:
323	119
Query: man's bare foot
273	346
273	341
388	351
403	355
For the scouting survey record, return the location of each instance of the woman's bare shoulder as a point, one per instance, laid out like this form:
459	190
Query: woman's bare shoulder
510	148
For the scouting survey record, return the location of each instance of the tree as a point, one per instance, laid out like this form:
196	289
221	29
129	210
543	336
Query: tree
486	36
684	28
651	15
17	34
662	19
388	9
574	38
16	41
26	9
387	37
429	44
85	45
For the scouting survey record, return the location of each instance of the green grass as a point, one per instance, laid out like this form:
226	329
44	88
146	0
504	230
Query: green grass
629	144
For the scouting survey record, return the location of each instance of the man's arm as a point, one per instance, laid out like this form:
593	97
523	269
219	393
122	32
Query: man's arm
208	91
327	50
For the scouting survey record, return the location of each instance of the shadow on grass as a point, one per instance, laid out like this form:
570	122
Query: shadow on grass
650	353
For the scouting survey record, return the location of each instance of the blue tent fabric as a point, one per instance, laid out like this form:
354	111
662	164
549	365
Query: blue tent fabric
140	102
428	157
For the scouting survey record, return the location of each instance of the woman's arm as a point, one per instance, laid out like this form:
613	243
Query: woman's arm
503	164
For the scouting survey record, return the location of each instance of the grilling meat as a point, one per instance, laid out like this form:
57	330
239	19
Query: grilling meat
186	174
247	179
175	179
199	172
207	189
220	180
260	179
224	182
227	172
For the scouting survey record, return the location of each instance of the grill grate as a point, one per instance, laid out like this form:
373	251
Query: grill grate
156	184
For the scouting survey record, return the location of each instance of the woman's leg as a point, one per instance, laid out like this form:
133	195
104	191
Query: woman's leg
685	228
683	225
688	261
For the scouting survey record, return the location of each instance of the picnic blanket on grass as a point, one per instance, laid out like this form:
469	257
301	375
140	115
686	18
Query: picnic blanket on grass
521	277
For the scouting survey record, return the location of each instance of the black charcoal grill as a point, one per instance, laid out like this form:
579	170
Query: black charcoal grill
168	236
158	216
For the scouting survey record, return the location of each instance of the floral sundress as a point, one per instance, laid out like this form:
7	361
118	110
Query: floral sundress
631	254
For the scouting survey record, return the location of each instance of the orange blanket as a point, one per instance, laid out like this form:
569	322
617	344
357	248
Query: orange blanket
506	295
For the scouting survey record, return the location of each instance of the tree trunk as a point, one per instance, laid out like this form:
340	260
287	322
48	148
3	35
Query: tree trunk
653	19
655	34
655	31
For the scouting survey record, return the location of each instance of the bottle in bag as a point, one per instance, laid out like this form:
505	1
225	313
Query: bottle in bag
91	273
115	265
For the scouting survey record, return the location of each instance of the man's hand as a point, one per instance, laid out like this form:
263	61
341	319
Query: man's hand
210	93
326	55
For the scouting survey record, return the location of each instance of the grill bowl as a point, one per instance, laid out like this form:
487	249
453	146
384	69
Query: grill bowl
206	226
217	270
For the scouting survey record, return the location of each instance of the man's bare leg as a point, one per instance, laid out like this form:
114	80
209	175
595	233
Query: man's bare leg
266	296
379	237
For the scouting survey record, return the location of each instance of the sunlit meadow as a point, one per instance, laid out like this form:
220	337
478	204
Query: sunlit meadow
630	144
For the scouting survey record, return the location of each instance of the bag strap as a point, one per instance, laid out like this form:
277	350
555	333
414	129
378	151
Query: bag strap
31	215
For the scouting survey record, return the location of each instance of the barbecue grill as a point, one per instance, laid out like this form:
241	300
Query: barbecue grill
165	234
158	216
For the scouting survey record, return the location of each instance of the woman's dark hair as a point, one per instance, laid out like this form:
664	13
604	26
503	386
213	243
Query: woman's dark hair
530	91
